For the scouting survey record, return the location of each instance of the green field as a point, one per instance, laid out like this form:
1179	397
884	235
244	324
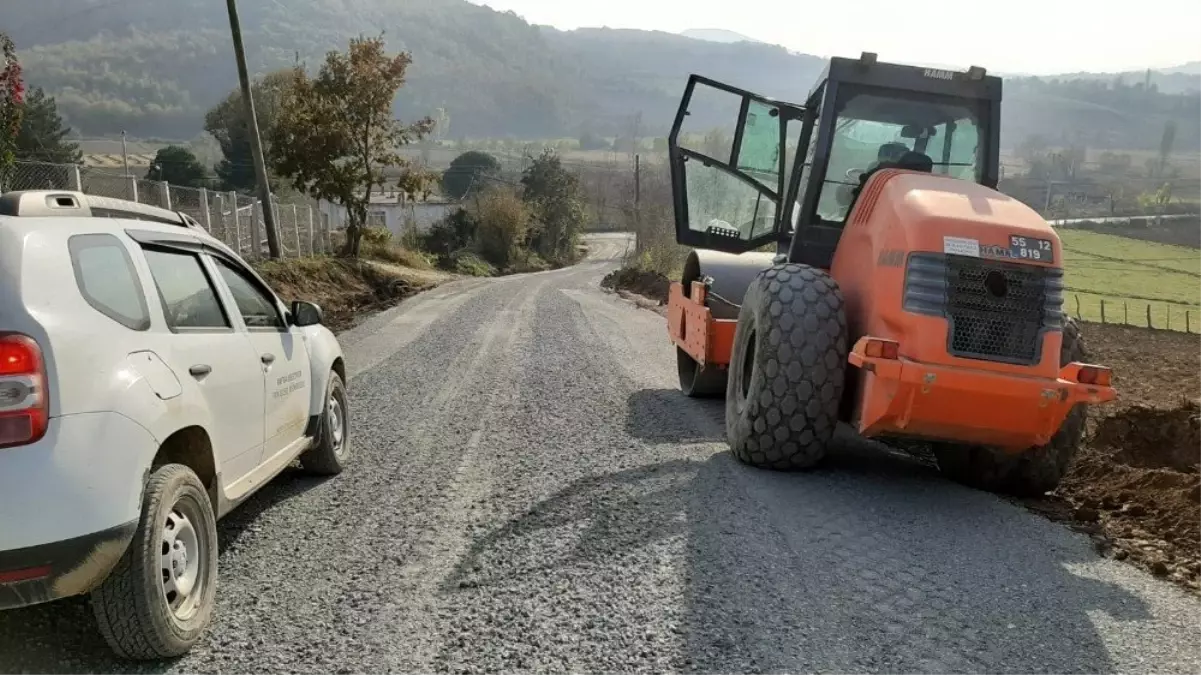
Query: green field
1130	275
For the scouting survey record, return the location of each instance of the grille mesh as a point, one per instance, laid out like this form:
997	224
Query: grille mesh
998	310
995	310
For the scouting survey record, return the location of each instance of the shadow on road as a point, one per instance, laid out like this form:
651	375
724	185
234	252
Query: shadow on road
668	416
872	563
61	637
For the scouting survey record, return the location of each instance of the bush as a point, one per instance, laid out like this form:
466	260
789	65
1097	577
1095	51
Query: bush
466	262
398	255
503	223
450	234
376	236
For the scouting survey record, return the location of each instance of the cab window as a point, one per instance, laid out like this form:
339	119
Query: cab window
875	127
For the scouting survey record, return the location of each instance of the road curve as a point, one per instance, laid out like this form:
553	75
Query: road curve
530	492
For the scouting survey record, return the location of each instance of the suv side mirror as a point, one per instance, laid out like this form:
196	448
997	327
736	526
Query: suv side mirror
305	313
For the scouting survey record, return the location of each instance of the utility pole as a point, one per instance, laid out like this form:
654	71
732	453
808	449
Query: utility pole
124	154
638	203
256	144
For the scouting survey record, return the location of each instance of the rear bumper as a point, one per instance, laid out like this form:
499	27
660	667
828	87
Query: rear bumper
37	574
692	327
1013	412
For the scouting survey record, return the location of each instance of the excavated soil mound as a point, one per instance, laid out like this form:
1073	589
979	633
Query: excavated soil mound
1137	484
641	282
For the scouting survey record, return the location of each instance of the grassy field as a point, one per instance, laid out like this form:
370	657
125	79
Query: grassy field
1130	275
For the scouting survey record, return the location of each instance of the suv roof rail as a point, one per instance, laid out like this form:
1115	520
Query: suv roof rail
50	203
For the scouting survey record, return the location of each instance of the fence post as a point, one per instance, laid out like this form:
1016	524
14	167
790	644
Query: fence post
1078	315
296	228
1125	314
256	229
1188	321
76	179
1102	310
221	215
310	210
166	188
133	188
1169	326
1149	315
207	218
233	207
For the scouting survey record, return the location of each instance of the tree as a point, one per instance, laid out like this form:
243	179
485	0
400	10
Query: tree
177	165
553	194
335	137
465	171
227	123
12	94
42	136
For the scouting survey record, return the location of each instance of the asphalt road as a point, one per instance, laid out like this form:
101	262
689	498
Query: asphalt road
530	492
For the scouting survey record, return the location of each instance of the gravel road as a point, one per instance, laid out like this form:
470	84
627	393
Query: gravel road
531	492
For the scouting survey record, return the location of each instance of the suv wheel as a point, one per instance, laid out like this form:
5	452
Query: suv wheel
158	600
331	449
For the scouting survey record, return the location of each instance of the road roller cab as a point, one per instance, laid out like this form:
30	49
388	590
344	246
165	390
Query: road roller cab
854	262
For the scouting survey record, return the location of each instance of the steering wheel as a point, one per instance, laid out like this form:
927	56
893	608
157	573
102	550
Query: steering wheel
854	174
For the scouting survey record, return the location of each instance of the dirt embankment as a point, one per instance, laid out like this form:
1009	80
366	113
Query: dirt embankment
1136	484
347	290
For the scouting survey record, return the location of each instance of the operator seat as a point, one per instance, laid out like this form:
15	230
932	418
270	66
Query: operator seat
910	161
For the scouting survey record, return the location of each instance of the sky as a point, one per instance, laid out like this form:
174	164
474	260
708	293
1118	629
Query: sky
1036	37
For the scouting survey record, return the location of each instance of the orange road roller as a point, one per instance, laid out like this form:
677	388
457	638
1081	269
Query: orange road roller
854	262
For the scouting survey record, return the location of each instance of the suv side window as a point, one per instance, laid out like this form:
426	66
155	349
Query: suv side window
106	278
189	299
258	309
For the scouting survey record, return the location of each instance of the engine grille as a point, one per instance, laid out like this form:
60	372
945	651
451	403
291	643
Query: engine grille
996	311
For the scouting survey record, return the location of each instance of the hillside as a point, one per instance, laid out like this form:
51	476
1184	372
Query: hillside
717	35
153	68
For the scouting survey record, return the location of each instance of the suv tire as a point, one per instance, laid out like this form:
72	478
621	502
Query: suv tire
158	600
329	453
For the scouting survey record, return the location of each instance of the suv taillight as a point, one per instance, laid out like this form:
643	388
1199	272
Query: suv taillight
22	391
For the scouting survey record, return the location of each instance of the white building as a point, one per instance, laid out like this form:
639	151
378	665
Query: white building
394	211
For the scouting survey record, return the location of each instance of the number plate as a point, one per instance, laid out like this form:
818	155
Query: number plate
1028	248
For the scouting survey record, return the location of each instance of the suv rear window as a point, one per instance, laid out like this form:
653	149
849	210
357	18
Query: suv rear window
106	278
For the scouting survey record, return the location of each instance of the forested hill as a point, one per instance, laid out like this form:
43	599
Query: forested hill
153	67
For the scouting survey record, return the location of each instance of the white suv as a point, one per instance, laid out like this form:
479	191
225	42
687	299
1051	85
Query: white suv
150	381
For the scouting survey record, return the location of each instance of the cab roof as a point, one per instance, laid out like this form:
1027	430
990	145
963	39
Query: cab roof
866	70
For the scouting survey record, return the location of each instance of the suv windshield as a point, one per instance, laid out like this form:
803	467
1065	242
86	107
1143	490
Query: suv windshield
875	126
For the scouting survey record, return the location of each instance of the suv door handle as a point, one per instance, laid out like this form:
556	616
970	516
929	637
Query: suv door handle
268	358
200	370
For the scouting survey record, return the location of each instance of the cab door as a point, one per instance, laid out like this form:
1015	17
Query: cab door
281	353
728	152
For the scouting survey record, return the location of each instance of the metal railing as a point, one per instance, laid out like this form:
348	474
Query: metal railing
235	219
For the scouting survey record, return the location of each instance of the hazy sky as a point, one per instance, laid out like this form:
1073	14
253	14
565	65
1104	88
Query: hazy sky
1027	36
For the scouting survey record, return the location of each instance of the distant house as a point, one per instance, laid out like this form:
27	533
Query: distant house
393	211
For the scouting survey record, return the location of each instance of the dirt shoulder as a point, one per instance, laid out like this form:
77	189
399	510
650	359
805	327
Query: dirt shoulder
347	290
1135	485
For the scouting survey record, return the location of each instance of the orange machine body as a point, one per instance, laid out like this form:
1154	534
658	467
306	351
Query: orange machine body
923	390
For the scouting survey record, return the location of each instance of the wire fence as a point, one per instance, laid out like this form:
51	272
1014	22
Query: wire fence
235	219
1158	315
